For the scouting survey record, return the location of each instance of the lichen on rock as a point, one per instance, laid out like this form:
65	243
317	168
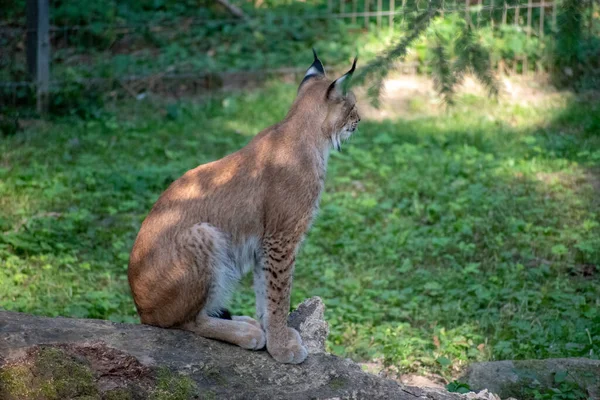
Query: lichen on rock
88	372
170	386
49	373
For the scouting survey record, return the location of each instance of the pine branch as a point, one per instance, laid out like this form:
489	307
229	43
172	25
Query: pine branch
443	77
379	68
473	57
482	68
462	48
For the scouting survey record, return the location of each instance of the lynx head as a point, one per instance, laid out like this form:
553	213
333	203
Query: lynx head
332	100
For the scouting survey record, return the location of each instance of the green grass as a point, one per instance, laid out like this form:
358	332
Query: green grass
441	240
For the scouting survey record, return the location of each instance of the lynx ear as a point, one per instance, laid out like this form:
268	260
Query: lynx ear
316	69
339	87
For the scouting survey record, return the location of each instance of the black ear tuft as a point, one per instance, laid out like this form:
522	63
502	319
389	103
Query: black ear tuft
317	63
316	69
339	87
353	67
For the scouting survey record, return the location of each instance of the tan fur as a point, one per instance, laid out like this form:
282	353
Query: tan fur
253	206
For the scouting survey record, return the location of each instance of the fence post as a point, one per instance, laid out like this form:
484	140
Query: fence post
403	12
468	13
392	15
542	16
591	22
529	16
529	28
38	49
554	16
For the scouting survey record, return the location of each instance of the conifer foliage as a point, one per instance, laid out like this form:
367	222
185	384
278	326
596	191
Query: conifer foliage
465	53
471	56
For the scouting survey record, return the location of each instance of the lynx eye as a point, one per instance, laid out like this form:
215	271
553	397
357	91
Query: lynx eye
350	111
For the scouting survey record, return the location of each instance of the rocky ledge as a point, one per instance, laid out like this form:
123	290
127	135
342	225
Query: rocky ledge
63	358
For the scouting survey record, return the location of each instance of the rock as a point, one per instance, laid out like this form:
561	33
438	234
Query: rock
93	359
482	395
515	378
422	381
309	321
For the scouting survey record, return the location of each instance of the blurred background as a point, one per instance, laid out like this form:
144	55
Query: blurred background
97	52
460	224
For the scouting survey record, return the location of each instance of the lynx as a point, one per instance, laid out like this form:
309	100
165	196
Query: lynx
248	210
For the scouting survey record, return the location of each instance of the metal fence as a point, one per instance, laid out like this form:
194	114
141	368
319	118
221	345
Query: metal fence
46	54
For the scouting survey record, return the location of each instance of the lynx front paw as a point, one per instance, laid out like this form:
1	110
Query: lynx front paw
252	338
287	347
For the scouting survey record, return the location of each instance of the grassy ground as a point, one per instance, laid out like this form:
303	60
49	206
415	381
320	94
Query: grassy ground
473	235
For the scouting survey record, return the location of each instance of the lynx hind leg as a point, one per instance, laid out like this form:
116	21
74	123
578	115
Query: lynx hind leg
242	331
247	320
175	291
225	314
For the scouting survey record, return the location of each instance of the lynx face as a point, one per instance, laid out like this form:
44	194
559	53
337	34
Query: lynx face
347	121
341	115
